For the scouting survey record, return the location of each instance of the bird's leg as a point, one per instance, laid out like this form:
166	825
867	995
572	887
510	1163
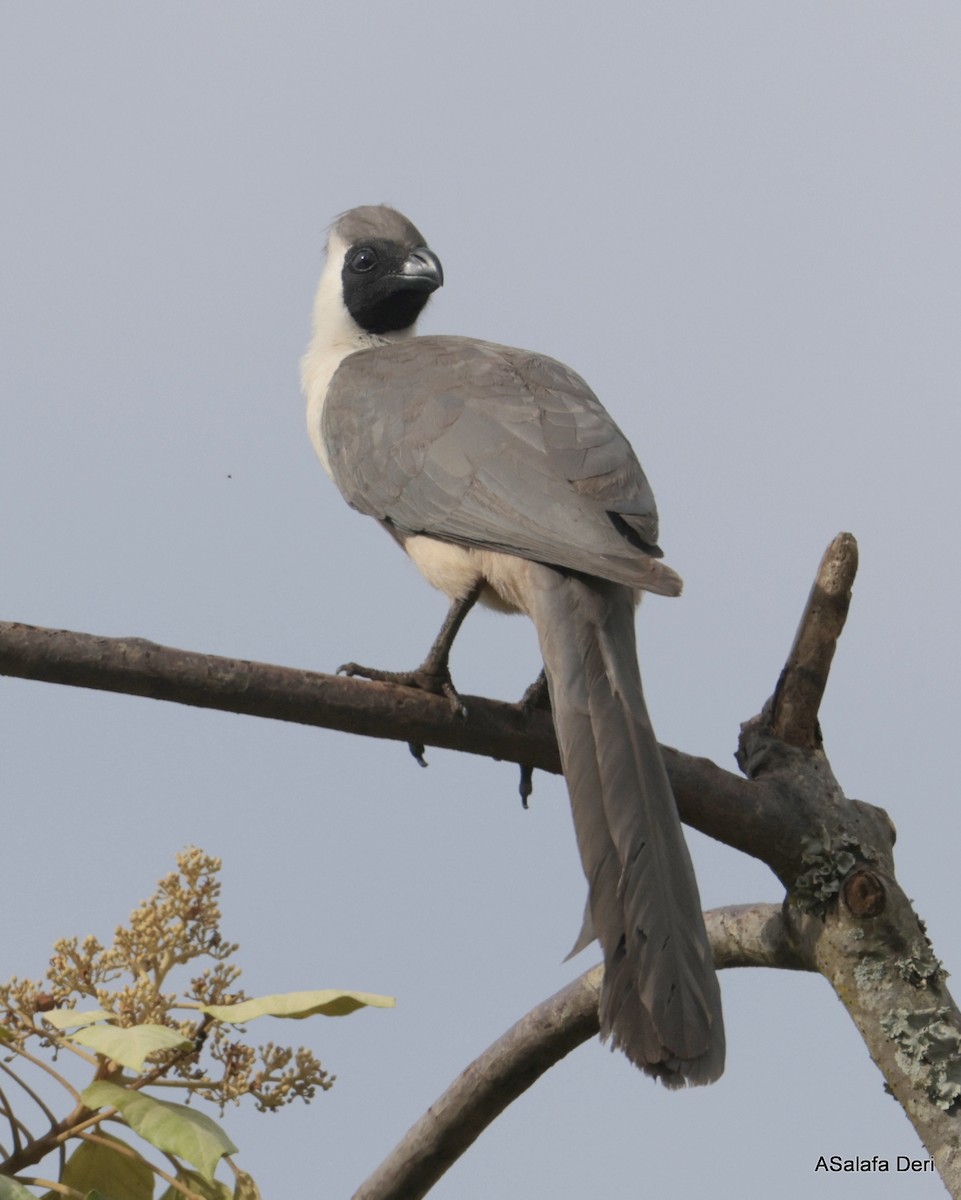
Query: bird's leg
536	696
433	675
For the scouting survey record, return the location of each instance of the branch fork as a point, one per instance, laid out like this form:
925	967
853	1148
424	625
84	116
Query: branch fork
844	914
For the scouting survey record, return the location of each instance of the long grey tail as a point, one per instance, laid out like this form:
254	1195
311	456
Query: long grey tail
660	1000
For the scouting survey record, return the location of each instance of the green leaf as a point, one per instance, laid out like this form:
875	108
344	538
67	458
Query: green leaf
329	1003
6	1035
212	1190
93	1165
173	1128
69	1018
129	1047
11	1190
245	1188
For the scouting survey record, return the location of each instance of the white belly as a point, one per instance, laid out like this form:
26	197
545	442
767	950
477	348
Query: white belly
455	570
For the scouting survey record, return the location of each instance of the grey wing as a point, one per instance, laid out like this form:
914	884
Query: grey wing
487	446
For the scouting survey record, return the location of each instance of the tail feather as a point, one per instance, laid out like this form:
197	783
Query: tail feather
660	1001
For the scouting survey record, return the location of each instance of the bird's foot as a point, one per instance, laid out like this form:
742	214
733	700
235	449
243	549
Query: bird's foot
428	677
526	785
535	697
417	751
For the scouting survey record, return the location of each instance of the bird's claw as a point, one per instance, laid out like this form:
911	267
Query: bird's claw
425	678
350	669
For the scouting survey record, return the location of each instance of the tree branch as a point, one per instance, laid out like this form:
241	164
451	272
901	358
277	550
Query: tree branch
748	935
139	667
718	802
845	911
844	915
798	694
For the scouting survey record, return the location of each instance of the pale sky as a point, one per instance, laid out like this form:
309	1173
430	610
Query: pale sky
739	222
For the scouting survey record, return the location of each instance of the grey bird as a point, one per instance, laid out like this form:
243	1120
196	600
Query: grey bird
503	477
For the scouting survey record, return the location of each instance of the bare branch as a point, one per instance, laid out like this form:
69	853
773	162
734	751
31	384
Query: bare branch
720	803
141	668
752	935
749	935
797	697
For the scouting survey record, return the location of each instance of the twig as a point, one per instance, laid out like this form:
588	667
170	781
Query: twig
14	1121
38	1062
47	1112
51	1185
59	1133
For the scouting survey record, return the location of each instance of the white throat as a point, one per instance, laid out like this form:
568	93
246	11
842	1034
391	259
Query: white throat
335	335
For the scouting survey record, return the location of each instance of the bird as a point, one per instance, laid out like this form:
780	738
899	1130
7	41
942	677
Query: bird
506	481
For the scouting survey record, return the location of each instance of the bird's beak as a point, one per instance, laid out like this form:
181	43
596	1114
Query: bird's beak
421	270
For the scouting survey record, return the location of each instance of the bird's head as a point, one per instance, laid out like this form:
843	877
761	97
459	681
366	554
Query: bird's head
380	270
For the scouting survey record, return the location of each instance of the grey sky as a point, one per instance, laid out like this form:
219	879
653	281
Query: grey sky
739	222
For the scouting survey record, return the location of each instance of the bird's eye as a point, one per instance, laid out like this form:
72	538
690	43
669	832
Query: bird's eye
364	259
